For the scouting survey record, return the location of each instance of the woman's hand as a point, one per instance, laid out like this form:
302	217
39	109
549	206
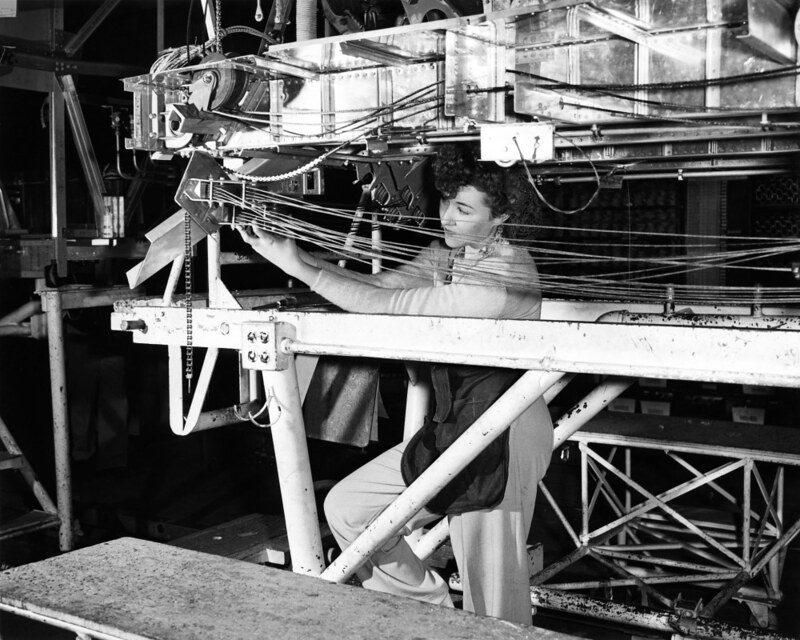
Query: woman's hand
280	251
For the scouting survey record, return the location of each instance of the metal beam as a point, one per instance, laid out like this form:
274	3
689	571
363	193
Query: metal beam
90	26
77	67
58	178
80	133
711	354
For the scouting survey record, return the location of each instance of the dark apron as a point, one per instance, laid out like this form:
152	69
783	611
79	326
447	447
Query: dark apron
463	393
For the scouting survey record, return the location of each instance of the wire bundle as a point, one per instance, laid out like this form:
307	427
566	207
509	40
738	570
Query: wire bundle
645	278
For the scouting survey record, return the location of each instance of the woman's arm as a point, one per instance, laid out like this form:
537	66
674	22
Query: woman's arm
414	274
456	300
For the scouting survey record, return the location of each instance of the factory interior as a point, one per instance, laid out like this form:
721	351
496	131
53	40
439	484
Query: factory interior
176	405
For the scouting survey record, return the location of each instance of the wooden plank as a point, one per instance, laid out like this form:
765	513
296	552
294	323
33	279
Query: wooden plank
766	443
135	590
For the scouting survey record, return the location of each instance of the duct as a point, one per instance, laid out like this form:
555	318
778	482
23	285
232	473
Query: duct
771	31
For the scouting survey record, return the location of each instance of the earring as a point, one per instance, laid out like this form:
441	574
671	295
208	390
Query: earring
497	238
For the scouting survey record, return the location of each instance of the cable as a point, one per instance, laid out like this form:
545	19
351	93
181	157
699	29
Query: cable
541	197
273	212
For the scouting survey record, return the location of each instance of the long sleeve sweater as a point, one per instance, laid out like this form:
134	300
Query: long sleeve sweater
503	284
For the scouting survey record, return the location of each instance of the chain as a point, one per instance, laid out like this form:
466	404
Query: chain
187	276
218	26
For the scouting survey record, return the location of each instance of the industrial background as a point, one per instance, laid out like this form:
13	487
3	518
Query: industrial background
661	140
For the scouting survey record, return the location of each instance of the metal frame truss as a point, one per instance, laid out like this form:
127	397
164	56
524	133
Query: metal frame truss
648	541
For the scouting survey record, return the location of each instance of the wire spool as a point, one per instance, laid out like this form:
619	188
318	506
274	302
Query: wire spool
231	85
227	86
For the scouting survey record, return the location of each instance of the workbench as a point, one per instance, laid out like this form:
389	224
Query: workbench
132	589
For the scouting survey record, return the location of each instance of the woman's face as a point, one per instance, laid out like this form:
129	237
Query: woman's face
467	219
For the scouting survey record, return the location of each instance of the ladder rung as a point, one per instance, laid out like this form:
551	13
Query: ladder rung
31	521
10	460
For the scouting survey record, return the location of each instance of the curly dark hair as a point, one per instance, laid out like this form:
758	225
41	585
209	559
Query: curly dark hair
507	190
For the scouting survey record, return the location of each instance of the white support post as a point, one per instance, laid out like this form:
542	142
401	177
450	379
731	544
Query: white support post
294	470
418	398
201	391
51	299
376	244
175	272
175	372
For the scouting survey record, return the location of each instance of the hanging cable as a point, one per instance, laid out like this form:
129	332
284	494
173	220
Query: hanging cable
541	197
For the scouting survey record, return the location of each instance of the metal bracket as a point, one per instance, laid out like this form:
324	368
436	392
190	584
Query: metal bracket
263	345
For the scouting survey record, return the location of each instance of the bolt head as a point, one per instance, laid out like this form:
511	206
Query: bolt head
251	336
265	357
251	356
264	337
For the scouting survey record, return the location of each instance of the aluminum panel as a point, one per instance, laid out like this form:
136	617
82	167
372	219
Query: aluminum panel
738	58
471	55
676	13
668	68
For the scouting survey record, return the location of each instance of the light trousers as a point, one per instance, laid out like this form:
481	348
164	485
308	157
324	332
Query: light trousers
490	546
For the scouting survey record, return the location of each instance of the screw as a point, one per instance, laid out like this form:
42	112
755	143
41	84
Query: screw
251	356
251	336
224	329
264	337
265	357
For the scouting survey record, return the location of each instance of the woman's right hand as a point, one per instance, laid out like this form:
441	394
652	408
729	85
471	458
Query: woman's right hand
280	251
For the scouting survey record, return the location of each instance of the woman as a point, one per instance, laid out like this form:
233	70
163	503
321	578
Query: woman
475	273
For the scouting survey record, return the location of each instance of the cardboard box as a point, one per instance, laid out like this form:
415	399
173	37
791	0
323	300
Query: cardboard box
656	407
653	383
623	405
748	415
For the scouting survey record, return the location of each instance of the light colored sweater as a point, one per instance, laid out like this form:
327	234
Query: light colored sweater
503	284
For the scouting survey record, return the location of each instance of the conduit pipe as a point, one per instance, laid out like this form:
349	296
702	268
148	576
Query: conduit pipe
466	448
418	399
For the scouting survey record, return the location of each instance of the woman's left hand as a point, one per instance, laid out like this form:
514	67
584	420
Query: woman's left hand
280	251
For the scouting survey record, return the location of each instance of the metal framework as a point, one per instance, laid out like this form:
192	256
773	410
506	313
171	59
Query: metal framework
649	539
729	345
